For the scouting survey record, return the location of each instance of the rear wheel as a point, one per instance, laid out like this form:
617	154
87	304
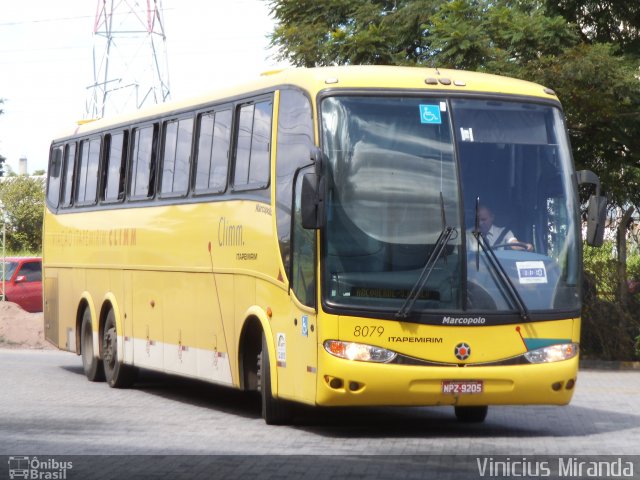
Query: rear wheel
471	414
118	374
274	411
91	364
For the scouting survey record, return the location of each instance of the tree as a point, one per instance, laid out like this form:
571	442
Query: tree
23	200
597	81
312	33
603	21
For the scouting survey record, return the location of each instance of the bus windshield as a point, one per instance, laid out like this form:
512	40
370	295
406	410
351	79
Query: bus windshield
403	170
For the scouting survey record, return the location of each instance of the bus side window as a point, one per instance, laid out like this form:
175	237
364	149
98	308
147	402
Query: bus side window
251	170
176	156
87	184
55	174
69	168
143	168
114	167
212	151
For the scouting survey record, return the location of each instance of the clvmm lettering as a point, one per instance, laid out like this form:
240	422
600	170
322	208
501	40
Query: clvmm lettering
229	235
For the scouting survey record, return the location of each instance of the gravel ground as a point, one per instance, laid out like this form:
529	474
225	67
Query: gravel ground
20	329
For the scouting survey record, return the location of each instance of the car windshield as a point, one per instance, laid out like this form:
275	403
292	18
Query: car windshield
404	169
9	269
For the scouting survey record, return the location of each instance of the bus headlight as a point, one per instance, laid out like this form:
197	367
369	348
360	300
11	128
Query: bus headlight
359	351
553	353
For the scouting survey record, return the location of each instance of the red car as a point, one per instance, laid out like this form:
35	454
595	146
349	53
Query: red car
23	282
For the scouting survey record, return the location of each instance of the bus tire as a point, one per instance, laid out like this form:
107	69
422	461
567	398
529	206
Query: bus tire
274	410
117	373
91	364
471	414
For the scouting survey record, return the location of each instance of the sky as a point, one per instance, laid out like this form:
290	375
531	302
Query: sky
46	61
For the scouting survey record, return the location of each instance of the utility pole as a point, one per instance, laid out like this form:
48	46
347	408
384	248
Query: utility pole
129	57
3	214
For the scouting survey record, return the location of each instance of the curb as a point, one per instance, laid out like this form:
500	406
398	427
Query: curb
608	365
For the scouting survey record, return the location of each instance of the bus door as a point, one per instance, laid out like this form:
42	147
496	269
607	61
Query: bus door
300	351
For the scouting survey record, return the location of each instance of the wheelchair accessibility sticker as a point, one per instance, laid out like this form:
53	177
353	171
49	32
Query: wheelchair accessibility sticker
430	114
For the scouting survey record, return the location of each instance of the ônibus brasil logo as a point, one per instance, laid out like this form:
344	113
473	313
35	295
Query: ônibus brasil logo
34	468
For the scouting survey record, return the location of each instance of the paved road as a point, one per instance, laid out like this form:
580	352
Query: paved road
49	409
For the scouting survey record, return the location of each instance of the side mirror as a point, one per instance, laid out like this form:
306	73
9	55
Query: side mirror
311	204
596	217
596	209
20	279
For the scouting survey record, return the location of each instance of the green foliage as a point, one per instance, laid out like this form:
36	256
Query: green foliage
610	327
23	199
311	33
604	21
500	37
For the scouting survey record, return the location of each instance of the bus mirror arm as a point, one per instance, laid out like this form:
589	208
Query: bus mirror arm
317	158
596	209
312	202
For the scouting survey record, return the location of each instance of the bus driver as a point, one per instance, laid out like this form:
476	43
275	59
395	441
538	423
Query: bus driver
497	236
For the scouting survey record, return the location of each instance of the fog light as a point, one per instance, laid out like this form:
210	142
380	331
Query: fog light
334	382
570	384
557	386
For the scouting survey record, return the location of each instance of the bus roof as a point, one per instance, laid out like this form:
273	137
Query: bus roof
317	79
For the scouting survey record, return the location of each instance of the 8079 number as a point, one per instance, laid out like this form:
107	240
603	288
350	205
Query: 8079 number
368	331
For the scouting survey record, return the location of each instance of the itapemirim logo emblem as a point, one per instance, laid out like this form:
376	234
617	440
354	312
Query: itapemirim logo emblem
38	469
462	351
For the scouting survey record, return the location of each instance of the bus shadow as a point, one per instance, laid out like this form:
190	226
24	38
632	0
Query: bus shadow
192	392
440	422
394	422
199	393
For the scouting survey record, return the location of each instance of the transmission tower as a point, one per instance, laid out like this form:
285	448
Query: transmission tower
129	57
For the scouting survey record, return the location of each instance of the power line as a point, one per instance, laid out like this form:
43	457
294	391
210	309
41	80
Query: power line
62	19
43	20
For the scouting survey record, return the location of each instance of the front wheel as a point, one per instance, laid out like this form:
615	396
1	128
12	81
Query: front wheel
118	374
274	411
471	414
91	364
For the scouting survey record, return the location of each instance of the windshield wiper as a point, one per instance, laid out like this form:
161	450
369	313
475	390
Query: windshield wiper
498	269
438	249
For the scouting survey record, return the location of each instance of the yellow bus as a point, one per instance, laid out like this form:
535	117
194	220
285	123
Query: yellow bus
344	236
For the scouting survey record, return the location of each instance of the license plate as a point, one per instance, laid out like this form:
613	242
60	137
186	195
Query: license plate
462	387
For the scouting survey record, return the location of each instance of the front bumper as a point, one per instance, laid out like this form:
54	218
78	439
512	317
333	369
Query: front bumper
351	383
